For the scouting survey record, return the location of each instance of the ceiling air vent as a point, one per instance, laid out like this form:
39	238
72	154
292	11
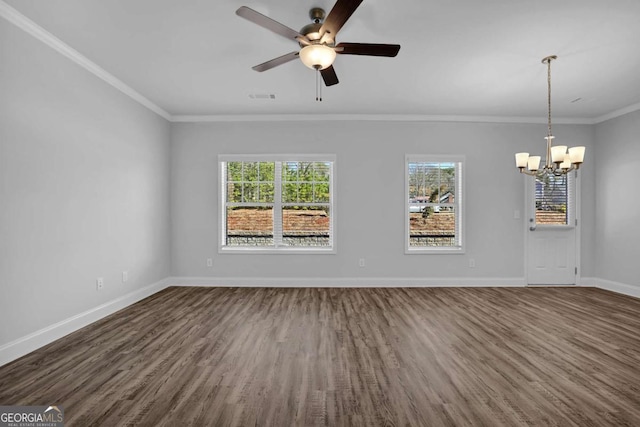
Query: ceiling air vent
262	96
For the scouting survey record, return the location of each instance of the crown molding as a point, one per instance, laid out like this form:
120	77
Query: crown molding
30	27
371	117
617	113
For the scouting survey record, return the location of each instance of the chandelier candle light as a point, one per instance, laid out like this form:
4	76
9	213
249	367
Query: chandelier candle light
559	160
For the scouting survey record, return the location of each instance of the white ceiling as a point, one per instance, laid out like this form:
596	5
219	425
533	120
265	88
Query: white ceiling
458	57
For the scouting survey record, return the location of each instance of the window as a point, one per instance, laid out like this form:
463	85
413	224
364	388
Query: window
433	204
554	200
277	203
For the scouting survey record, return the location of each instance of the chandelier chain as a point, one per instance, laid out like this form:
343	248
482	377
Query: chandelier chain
549	95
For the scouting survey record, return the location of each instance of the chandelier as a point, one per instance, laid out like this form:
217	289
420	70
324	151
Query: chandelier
559	160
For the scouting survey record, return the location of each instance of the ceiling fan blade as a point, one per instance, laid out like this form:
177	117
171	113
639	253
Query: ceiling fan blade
276	61
268	23
329	76
339	14
369	49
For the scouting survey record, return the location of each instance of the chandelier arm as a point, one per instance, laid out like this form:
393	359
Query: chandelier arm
528	172
549	170
560	172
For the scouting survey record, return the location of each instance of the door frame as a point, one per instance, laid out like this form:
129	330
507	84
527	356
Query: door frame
529	209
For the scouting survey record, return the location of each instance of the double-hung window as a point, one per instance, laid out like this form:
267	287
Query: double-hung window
277	203
433	204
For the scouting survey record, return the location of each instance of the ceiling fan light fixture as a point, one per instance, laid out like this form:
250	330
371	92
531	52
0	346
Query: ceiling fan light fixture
317	56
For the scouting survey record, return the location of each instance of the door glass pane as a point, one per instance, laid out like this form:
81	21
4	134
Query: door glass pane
552	200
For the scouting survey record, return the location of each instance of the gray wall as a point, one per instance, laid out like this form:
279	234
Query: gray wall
84	188
618	202
93	184
370	196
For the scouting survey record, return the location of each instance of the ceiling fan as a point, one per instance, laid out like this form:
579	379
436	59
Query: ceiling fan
318	39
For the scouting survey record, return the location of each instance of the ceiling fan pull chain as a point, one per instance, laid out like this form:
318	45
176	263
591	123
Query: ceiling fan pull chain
318	86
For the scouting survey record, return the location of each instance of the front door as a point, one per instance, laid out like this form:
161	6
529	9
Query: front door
552	230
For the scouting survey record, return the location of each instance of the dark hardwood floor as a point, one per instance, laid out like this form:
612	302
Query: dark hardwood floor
280	357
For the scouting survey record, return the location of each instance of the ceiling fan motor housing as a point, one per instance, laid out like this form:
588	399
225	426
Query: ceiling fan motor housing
312	31
317	14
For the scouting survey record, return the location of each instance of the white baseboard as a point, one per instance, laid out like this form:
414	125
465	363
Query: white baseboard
589	282
609	285
345	282
24	345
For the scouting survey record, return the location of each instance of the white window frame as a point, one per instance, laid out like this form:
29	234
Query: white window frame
459	203
277	203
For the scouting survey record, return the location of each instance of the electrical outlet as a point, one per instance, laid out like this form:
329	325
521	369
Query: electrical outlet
472	263
209	262
361	262
100	283
125	276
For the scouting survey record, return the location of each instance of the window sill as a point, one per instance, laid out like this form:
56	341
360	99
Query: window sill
280	250
434	251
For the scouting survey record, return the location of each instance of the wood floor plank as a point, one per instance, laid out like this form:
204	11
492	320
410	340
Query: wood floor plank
344	357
